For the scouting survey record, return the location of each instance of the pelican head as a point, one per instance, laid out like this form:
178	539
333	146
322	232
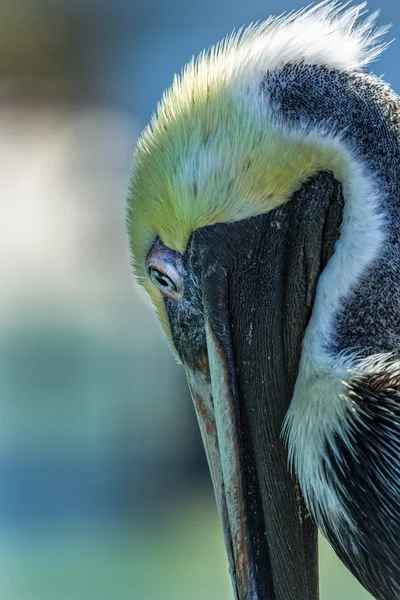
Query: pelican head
263	216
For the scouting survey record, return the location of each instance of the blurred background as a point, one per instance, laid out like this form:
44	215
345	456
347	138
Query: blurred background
104	489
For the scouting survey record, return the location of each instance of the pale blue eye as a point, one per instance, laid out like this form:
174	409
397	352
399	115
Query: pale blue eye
161	280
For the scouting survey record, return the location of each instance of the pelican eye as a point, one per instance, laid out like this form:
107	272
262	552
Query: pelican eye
162	281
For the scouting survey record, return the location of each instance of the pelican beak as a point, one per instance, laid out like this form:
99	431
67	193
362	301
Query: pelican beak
248	294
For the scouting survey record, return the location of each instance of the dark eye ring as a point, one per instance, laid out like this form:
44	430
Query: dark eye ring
161	280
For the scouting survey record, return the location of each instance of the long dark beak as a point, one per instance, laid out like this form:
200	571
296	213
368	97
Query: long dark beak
257	279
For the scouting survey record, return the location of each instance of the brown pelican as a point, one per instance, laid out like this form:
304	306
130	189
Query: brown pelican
263	214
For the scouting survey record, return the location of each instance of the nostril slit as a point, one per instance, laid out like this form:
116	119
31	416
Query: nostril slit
183	325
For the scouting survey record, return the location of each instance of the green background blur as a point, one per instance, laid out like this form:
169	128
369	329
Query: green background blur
104	490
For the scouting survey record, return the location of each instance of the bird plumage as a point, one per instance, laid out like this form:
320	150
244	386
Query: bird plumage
181	180
243	127
365	471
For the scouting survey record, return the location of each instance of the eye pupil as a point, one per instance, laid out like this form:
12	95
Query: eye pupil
162	281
